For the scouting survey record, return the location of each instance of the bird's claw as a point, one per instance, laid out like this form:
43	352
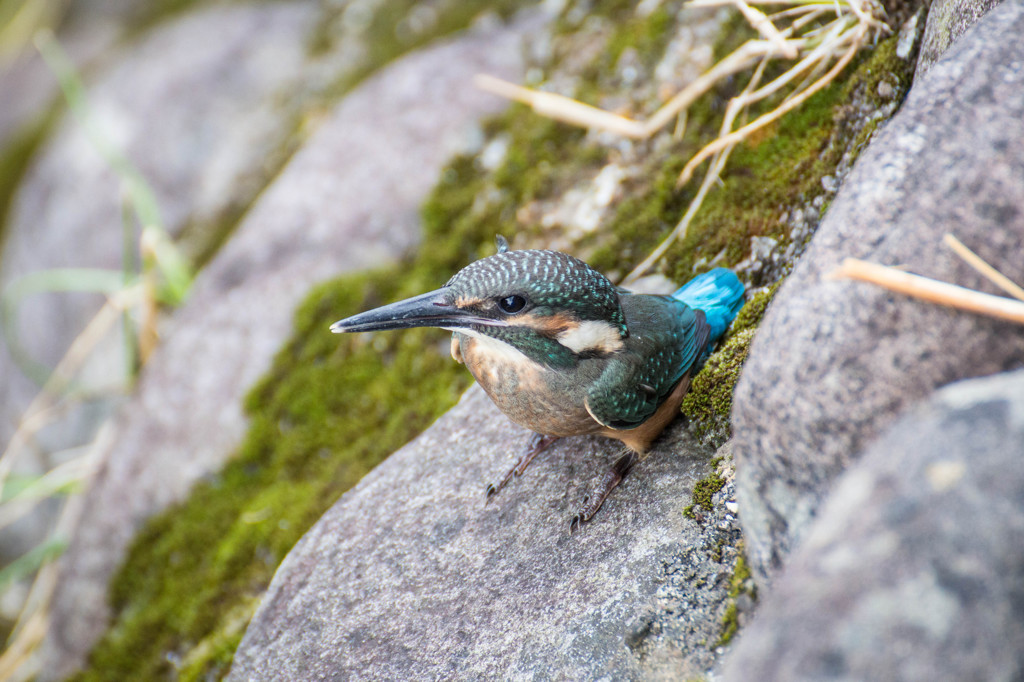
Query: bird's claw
593	501
581	516
538	444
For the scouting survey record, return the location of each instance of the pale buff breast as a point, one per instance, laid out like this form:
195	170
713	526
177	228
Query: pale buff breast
530	394
512	384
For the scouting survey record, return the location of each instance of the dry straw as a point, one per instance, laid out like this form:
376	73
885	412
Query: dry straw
934	291
820	35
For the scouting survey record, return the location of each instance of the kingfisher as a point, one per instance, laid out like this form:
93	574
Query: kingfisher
564	352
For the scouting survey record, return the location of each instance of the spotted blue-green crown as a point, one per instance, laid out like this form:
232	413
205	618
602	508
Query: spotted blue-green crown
551	281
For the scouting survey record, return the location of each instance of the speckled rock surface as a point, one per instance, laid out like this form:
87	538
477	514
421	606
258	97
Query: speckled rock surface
350	197
915	570
834	362
947	21
411	576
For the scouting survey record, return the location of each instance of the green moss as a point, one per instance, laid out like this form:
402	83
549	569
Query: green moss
741	582
643	218
782	166
709	399
645	37
753	310
883	67
705	489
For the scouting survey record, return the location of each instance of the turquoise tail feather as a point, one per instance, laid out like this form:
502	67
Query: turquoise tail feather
719	293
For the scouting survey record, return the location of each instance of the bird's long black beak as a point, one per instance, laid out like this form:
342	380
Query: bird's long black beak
432	309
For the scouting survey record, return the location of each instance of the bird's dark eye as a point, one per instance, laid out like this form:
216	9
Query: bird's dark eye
512	304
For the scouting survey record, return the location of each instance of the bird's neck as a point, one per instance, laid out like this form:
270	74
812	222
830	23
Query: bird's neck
517	344
559	346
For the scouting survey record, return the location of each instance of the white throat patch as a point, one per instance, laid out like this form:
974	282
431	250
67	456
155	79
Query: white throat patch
494	347
591	335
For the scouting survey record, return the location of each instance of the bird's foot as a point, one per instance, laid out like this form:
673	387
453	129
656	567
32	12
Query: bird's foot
593	501
538	444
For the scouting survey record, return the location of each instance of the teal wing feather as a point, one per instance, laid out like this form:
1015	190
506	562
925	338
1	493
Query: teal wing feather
665	339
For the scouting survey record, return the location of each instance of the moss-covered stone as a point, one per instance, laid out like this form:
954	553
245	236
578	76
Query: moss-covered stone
753	310
782	167
741	583
705	489
709	400
332	407
329	410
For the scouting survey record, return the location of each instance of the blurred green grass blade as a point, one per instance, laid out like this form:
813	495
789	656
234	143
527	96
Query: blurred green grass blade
142	198
97	280
43	281
27	564
172	265
21	494
174	268
129	266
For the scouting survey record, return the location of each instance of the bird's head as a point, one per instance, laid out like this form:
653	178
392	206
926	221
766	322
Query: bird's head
550	306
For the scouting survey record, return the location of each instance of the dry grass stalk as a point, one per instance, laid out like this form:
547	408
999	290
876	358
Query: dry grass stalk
854	25
45	404
574	112
979	264
17	661
931	290
766	28
814	59
720	158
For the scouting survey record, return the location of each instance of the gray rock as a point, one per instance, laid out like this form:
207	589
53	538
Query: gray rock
349	199
29	86
88	33
411	576
915	570
947	21
835	361
199	107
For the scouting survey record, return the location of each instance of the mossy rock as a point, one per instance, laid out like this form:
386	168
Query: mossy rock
740	583
705	490
331	407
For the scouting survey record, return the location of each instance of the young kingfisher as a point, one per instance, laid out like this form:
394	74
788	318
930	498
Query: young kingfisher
564	352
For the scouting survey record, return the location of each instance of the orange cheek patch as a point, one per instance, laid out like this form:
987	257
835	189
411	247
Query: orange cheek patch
549	325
